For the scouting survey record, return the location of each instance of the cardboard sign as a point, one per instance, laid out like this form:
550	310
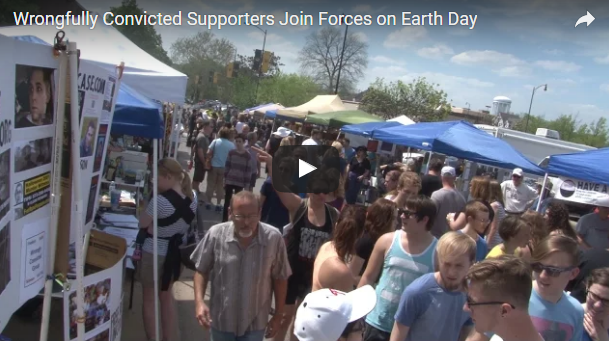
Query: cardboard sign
105	250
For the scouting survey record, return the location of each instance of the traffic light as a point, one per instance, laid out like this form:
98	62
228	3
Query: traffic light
211	77
257	60
266	61
230	68
216	77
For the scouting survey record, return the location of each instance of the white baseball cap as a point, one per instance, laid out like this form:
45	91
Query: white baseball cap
324	314
517	172
448	171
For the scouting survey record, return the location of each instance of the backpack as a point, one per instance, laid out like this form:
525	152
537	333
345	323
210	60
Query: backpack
302	210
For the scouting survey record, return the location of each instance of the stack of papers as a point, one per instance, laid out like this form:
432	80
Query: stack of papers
120	220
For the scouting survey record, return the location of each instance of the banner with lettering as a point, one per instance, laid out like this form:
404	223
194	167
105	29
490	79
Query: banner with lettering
27	127
579	191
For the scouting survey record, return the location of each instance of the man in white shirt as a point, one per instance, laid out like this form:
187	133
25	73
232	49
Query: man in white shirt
314	140
518	197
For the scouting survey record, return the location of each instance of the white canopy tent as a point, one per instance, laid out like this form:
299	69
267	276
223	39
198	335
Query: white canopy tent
405	120
318	105
107	47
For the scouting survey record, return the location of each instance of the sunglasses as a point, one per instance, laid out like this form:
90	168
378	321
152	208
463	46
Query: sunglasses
406	212
472	303
550	270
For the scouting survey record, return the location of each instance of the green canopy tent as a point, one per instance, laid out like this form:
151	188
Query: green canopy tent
337	119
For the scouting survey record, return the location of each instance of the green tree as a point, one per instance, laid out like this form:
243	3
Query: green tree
419	100
594	134
144	36
7	7
321	54
287	89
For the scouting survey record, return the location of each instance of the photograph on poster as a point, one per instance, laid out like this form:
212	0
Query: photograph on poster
92	197
5	182
5	256
87	136
103	336
99	149
34	90
36	194
116	321
97	307
32	154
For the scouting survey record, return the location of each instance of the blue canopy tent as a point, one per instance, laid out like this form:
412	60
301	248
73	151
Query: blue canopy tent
459	139
590	165
368	129
271	114
134	114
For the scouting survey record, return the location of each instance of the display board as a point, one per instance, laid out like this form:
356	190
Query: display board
97	90
27	128
580	191
103	306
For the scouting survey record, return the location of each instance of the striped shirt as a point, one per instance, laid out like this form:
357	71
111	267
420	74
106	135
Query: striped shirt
241	280
238	169
165	209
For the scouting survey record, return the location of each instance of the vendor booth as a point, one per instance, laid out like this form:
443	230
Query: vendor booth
583	176
318	105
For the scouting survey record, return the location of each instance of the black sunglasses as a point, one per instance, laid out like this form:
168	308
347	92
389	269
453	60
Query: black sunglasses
472	303
550	270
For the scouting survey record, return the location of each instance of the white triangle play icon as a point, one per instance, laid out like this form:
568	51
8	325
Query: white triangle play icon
304	168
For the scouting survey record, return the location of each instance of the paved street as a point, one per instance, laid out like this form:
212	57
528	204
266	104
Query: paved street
19	329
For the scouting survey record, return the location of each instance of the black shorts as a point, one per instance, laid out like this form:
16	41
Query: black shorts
356	326
373	334
199	173
297	289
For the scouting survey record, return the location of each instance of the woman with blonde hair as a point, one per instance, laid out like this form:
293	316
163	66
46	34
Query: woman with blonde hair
515	233
176	207
287	141
479	190
496	198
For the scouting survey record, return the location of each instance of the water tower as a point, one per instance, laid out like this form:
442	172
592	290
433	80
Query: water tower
501	105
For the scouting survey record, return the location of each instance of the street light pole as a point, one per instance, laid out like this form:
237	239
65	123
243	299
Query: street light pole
340	63
545	88
260	64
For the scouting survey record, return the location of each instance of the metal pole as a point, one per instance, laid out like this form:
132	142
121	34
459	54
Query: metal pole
340	63
155	228
260	65
529	114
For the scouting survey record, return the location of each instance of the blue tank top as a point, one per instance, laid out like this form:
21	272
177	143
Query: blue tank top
399	270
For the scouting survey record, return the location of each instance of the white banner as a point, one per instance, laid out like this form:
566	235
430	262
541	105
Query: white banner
580	191
27	118
97	90
102	306
34	252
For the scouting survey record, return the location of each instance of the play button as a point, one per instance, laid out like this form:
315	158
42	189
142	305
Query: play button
304	168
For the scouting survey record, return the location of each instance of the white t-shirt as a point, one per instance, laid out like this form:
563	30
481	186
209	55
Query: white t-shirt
239	127
517	198
309	142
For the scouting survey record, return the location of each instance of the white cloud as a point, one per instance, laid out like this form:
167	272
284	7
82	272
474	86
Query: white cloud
516	71
438	51
558	65
404	37
554	52
362	36
603	60
486	57
445	80
604	87
386	60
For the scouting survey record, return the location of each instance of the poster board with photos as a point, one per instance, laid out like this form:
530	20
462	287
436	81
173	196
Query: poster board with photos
103	305
97	90
27	128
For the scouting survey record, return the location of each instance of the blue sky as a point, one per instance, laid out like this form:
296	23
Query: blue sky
514	46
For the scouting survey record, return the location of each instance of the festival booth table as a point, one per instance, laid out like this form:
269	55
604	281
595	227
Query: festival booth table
583	176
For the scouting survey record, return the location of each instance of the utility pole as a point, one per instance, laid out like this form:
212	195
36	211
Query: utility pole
340	63
260	65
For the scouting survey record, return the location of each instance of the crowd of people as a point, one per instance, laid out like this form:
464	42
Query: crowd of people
421	262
